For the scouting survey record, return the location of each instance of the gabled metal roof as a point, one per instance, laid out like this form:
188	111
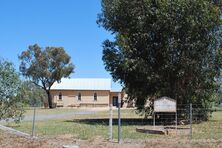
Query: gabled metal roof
83	84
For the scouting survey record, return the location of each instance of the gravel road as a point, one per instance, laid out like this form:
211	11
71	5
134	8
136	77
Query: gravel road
57	116
42	117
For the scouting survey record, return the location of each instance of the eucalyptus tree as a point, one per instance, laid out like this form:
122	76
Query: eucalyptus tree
164	48
45	66
11	97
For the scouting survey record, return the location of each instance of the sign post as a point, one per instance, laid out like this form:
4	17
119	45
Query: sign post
119	119
165	104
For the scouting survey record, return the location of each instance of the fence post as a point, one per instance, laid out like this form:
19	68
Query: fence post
33	122
110	122
191	116
119	119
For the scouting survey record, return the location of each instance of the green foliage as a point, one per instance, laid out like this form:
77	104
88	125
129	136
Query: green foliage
164	48
33	94
11	100
217	98
45	66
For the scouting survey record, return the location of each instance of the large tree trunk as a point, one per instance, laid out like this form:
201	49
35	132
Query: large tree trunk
49	99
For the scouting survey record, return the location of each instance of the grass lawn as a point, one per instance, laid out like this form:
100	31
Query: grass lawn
211	129
90	126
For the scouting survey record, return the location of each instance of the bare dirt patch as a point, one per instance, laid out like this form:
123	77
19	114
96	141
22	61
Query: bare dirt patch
9	140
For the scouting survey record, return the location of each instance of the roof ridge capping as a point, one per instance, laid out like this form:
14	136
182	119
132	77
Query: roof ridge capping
86	79
83	84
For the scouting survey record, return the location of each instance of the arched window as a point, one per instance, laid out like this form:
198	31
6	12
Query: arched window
60	96
79	96
95	96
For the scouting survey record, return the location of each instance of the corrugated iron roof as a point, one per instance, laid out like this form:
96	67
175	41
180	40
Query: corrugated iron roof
83	84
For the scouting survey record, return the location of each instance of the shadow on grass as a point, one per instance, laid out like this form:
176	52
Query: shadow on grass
214	120
105	121
126	121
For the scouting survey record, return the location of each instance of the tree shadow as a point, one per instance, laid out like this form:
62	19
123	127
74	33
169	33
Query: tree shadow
105	121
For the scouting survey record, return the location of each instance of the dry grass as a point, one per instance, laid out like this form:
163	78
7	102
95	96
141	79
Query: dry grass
88	127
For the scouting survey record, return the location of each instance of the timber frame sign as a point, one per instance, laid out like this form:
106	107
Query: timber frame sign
164	104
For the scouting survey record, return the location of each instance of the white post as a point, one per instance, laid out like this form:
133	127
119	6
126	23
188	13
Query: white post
110	122
119	119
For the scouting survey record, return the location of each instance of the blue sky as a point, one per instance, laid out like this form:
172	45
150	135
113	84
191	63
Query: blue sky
67	23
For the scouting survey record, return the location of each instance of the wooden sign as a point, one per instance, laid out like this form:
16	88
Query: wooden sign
164	104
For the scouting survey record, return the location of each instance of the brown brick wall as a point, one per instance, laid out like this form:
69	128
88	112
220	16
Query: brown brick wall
70	97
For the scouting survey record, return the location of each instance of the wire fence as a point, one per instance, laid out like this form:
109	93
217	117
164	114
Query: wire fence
186	122
171	122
